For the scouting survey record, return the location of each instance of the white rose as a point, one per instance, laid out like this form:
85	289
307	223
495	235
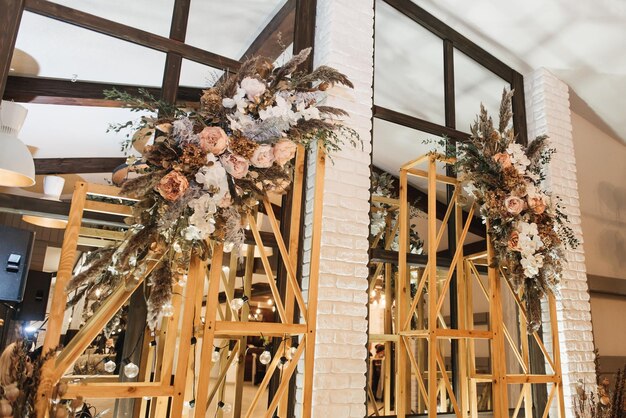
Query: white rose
253	87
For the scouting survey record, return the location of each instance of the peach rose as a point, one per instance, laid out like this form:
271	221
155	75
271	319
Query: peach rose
514	241
284	151
504	159
235	165
536	204
263	156
213	139
172	186
514	205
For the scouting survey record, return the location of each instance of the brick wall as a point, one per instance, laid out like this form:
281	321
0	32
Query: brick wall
340	356
548	110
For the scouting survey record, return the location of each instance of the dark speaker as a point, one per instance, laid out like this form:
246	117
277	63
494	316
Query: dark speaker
16	246
36	293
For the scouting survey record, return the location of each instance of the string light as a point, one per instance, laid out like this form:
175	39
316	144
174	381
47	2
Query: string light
110	366
238	303
226	407
131	370
265	357
215	357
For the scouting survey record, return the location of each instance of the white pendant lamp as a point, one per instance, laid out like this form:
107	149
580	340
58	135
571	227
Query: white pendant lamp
17	168
52	189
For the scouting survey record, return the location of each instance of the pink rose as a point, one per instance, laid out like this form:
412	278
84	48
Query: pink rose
503	158
514	205
284	151
213	139
514	241
172	186
263	156
235	165
537	204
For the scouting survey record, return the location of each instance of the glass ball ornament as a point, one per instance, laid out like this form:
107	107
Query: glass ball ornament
228	246
131	370
282	362
238	303
225	407
109	366
215	357
265	357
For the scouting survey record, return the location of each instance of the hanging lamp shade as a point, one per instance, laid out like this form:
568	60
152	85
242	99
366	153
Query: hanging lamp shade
52	189
17	168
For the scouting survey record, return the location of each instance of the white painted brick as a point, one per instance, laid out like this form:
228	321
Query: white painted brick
548	111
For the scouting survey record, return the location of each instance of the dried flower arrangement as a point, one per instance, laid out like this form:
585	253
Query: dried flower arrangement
526	224
604	403
207	169
382	215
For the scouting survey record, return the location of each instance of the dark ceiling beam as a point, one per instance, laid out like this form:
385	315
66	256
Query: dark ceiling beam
79	93
270	41
439	28
420	199
468	249
10	19
130	34
173	60
76	165
417	123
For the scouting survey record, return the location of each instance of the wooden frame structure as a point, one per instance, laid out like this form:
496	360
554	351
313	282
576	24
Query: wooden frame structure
173	340
419	318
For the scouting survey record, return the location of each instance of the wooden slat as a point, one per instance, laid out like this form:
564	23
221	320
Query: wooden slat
108	208
102	233
130	34
117	390
279	31
266	380
225	329
287	373
76	165
432	286
417	123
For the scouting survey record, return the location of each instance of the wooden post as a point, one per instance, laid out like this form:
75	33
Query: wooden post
388	329
59	296
208	335
401	299
432	287
556	355
311	318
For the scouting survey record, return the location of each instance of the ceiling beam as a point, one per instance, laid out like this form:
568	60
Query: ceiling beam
417	123
269	43
76	165
173	60
10	19
79	93
130	34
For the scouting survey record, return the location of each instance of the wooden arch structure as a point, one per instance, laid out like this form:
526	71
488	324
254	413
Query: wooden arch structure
417	332
169	377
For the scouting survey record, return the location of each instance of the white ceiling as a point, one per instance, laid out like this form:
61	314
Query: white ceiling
581	42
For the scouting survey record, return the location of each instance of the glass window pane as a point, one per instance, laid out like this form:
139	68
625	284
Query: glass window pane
61	50
473	85
211	25
193	74
408	66
140	14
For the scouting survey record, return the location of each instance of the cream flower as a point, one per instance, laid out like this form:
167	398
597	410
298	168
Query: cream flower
518	157
253	87
514	205
235	165
263	156
213	139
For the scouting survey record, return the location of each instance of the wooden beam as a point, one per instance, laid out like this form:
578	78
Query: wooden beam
276	36
79	93
130	34
416	195
10	19
610	286
304	35
173	60
417	123
439	28
519	108
77	165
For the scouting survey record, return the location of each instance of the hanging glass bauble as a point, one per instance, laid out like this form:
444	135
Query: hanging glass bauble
131	370
215	357
265	357
110	366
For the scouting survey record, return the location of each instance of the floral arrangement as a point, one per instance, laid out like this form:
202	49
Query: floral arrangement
208	168
604	403
526	223
381	213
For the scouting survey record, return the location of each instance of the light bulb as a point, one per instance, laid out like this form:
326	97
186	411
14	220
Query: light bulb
265	357
237	303
226	407
228	246
215	357
109	366
167	309
270	302
146	398
258	310
131	370
293	350
273	308
282	362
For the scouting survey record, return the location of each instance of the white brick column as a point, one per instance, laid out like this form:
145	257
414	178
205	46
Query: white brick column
343	40
548	110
